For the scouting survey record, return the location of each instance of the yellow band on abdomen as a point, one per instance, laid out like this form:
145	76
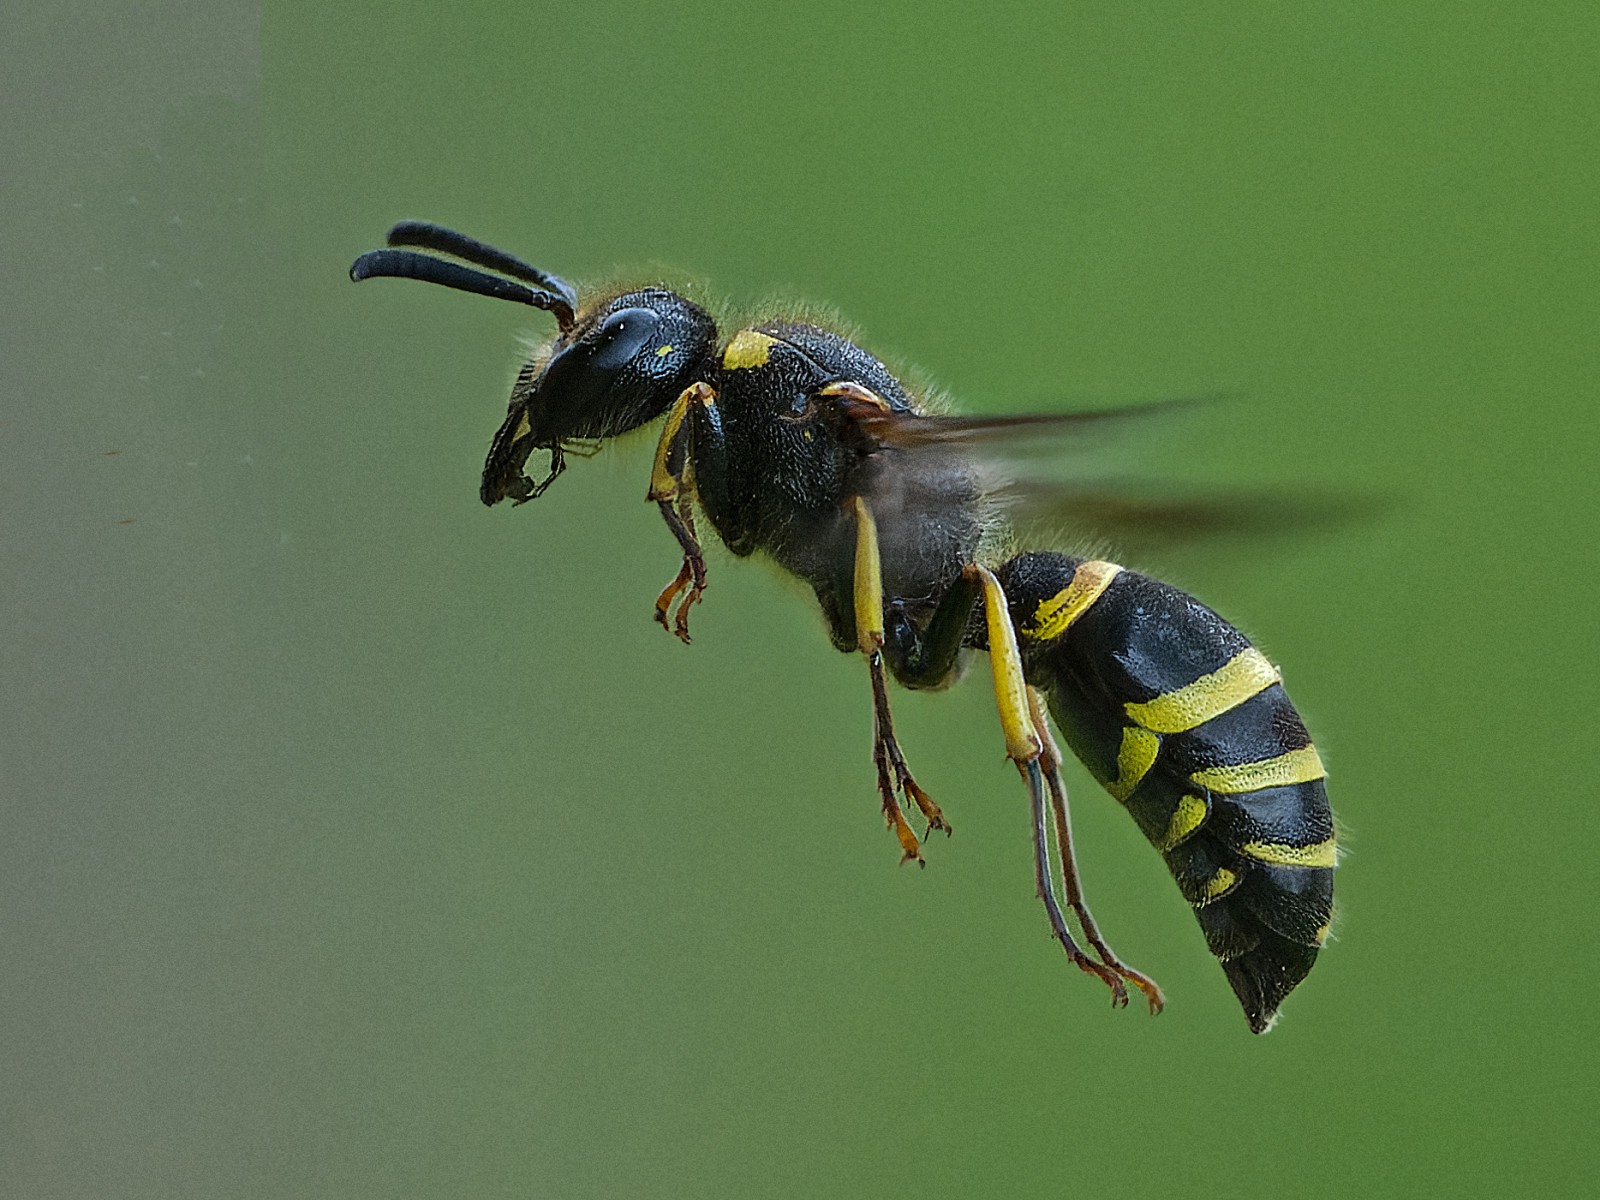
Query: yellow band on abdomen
1297	766
1216	887
1089	582
1282	854
1135	757
1246	674
1188	816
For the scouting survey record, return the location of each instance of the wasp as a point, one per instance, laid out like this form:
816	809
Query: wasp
795	443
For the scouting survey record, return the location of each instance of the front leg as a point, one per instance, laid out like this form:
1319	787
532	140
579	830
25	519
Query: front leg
894	777
672	488
691	575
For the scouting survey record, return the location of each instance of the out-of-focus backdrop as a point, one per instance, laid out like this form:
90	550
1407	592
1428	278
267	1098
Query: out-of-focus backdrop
358	841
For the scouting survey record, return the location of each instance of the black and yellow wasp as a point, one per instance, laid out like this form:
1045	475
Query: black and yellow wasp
796	443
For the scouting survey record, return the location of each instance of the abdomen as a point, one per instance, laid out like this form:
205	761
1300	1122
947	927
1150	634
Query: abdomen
1186	724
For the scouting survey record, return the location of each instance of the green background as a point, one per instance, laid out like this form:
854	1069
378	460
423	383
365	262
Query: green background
359	841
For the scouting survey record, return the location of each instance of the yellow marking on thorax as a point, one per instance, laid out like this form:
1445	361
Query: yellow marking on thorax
1246	674
1089	582
664	351
1297	766
1186	818
1134	759
1216	887
1282	854
524	426
748	348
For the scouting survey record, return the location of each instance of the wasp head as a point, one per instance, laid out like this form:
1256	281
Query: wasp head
619	366
615	364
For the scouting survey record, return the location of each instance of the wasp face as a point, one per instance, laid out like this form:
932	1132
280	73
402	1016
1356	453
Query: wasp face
616	363
621	364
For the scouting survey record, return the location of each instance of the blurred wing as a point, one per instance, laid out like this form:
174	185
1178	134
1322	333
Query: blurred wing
1067	476
1018	435
1140	517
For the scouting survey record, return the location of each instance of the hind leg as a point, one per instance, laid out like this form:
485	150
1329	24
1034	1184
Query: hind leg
1026	748
1072	890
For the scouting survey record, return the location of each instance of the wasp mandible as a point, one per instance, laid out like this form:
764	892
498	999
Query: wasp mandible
796	443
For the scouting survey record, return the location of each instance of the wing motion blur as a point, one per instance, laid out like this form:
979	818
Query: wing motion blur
1079	475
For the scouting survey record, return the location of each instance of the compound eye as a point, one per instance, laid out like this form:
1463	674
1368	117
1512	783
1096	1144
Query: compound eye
618	339
579	379
601	383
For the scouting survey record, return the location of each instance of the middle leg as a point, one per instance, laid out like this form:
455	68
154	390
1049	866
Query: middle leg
894	776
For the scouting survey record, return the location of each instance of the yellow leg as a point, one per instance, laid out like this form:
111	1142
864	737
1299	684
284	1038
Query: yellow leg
894	777
666	473
868	581
672	489
1010	691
